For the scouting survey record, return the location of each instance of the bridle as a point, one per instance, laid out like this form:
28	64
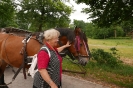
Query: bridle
77	46
67	52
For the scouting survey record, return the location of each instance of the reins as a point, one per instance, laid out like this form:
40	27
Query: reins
84	70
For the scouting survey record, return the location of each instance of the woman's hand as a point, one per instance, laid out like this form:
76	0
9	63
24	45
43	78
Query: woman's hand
46	77
67	44
64	46
54	85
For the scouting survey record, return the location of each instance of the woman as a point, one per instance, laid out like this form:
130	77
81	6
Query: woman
49	67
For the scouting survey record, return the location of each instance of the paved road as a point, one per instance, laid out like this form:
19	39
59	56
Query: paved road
68	81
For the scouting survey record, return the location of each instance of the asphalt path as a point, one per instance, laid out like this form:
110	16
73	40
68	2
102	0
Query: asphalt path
68	81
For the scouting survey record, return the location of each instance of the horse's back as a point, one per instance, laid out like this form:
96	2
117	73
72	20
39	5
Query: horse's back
12	48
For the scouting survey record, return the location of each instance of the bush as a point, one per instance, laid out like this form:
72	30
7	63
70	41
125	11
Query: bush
106	58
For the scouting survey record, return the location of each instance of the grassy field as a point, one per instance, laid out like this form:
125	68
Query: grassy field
118	77
124	46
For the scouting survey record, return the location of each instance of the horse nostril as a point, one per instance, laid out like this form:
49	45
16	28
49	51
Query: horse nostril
80	61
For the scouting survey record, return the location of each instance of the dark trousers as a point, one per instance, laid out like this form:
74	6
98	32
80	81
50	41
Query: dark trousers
36	87
60	86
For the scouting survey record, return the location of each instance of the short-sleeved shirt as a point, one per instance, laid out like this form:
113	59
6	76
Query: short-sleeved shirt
43	59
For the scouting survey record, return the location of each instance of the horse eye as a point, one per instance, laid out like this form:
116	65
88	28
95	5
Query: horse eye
81	44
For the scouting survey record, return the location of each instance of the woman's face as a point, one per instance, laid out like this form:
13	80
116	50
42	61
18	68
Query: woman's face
54	41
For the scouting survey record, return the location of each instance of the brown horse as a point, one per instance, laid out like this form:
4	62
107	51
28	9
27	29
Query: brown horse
11	46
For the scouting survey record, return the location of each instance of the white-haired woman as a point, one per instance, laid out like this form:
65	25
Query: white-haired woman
49	67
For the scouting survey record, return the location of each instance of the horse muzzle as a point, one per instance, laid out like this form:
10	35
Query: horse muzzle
83	60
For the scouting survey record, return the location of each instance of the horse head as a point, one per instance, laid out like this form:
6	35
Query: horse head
79	48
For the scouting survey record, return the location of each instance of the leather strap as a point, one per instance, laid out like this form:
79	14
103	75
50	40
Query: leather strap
24	59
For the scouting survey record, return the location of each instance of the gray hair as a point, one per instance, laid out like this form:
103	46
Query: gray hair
50	34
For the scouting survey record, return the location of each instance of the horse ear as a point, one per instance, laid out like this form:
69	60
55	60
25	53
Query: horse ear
77	31
75	27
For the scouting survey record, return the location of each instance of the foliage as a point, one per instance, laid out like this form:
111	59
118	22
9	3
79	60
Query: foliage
108	12
100	33
102	57
7	13
39	14
93	31
119	31
80	23
127	27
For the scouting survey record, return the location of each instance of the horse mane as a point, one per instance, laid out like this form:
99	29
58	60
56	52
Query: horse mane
85	39
69	33
12	30
18	32
83	36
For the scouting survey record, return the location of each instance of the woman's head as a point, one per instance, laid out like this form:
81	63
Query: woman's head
51	36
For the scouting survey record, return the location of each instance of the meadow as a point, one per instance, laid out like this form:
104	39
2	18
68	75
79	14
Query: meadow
118	77
124	46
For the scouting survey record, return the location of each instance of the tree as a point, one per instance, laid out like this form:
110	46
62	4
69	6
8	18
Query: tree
7	13
108	12
127	27
38	14
80	23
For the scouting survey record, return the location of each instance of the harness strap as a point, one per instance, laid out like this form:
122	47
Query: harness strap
24	59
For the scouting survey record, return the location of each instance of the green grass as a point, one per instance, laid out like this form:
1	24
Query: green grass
124	46
121	76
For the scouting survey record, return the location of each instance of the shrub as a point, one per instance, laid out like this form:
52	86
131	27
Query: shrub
106	58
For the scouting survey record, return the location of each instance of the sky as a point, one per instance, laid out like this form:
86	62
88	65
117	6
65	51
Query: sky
77	15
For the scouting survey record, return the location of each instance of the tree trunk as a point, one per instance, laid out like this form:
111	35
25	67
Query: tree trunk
132	35
115	33
40	28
